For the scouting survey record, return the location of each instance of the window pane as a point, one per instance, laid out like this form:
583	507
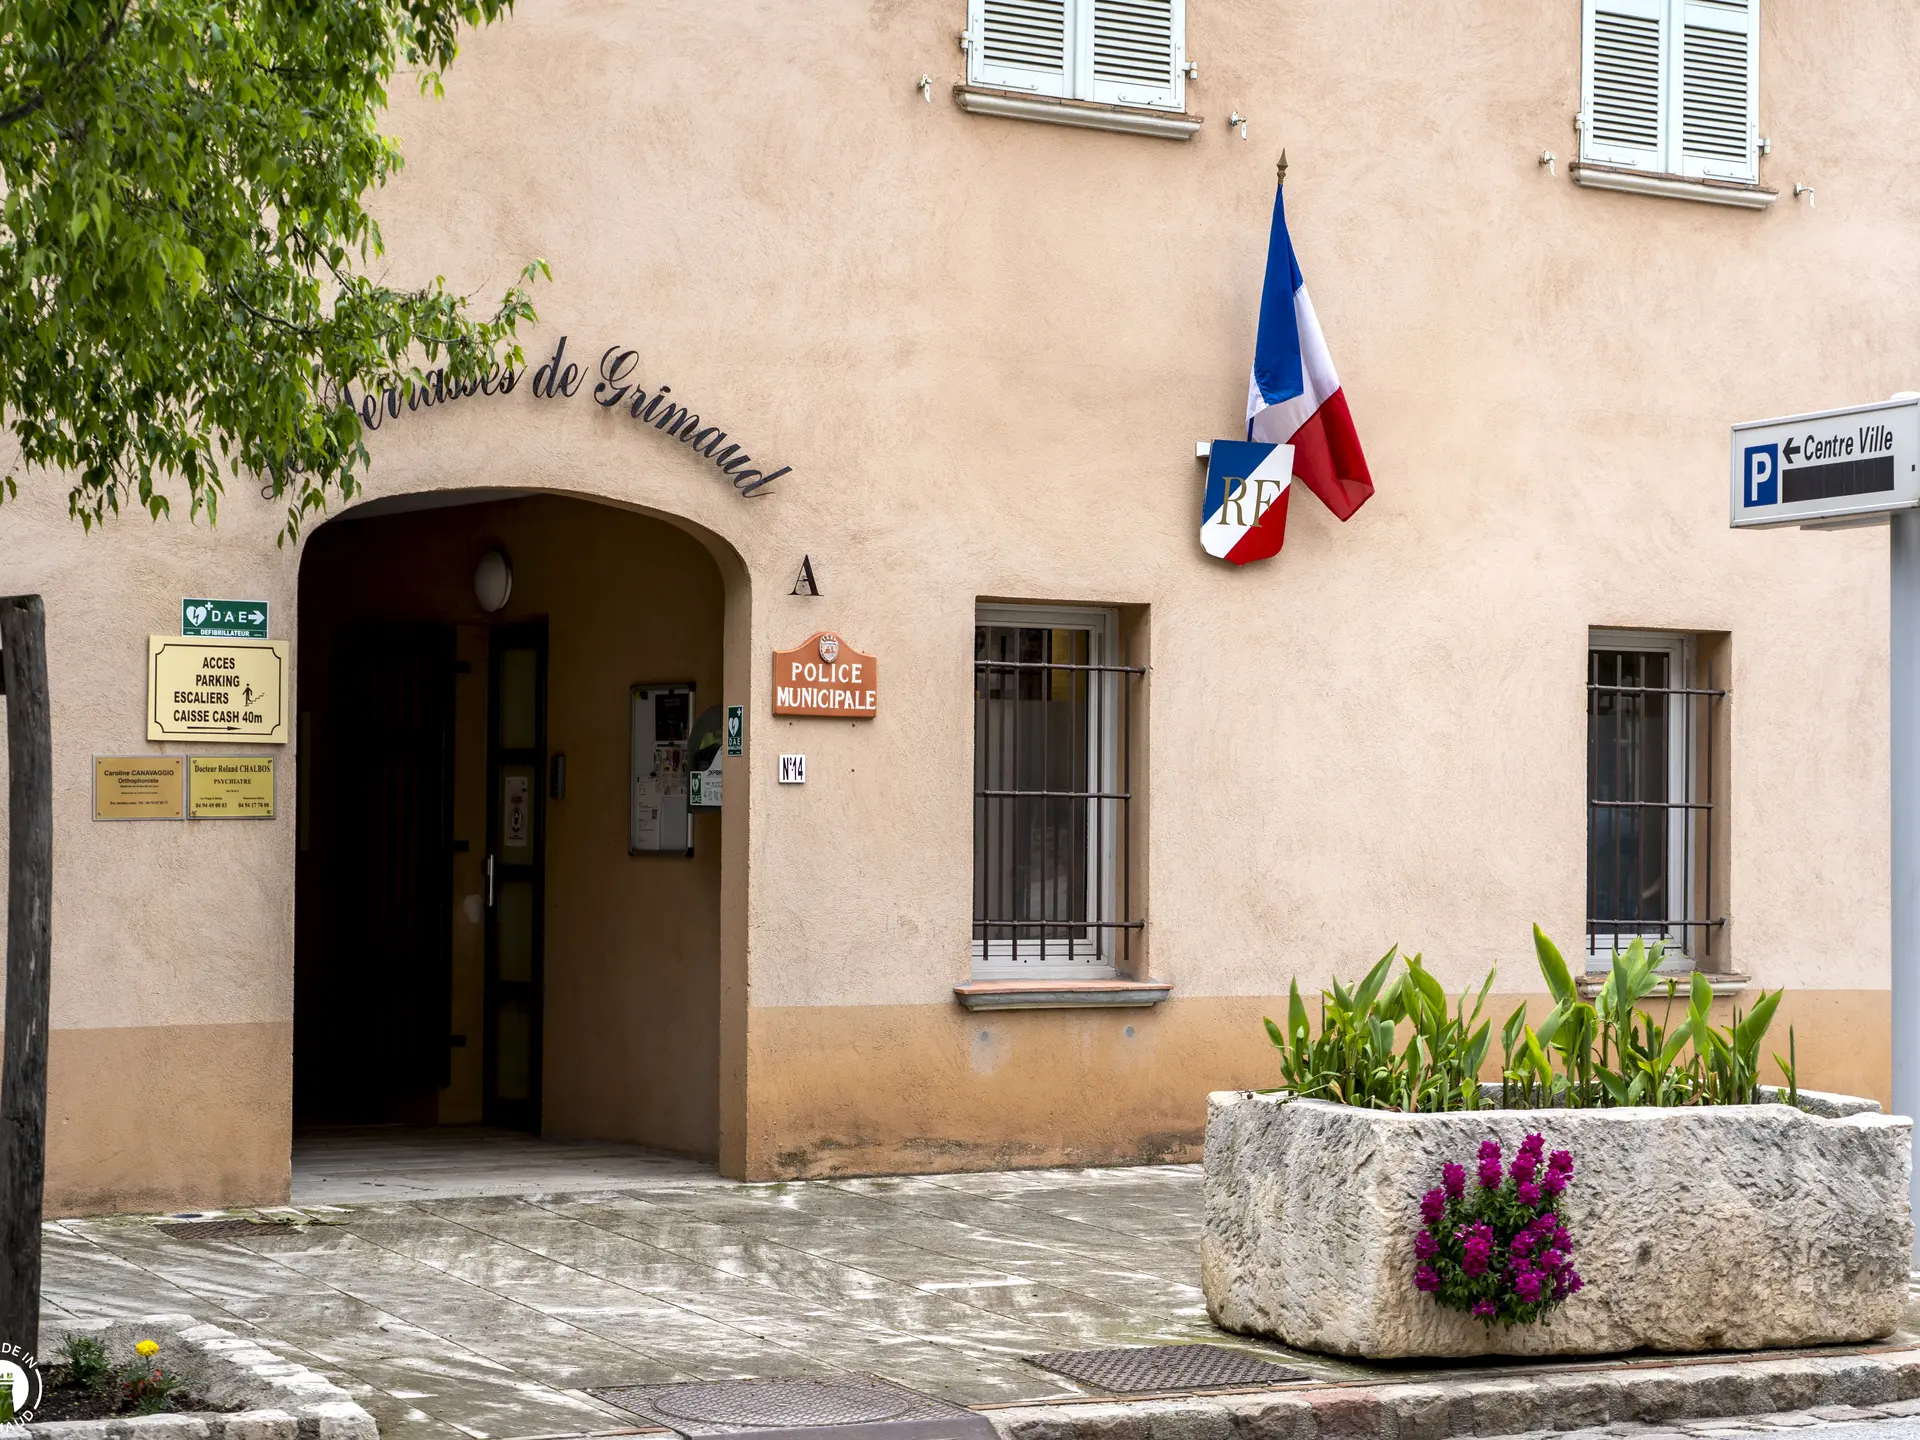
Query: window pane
518	694
1629	781
515	920
1034	736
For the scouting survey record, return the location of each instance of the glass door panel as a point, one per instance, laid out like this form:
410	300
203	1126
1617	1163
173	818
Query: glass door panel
516	874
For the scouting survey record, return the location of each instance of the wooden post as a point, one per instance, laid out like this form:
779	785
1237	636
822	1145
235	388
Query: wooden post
23	1071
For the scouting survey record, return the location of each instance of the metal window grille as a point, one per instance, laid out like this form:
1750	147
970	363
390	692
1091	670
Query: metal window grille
1650	765
1051	795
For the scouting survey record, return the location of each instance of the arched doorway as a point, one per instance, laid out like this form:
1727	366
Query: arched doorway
507	899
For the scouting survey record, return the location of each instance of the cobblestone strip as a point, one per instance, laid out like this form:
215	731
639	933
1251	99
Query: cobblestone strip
1634	1399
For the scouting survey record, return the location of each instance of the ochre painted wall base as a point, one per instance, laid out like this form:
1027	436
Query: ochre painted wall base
873	1090
168	1118
190	1117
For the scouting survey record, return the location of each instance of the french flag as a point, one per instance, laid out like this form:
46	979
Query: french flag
1298	425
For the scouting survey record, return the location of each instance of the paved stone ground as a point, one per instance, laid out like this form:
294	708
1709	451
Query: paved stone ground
1897	1421
455	1313
489	1315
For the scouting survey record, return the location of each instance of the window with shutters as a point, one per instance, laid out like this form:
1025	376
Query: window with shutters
1671	88
1109	52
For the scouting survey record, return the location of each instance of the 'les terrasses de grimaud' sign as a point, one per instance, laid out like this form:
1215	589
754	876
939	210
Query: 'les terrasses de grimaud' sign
560	377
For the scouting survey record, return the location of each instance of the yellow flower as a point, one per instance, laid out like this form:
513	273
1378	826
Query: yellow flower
148	1348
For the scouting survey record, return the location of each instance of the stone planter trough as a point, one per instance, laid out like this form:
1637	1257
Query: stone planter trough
1740	1227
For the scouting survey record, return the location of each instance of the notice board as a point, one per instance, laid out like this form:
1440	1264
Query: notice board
659	816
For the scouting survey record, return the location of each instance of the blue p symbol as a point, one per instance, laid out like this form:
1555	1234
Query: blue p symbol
1763	474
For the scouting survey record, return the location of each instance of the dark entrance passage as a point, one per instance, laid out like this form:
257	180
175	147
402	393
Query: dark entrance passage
481	937
372	980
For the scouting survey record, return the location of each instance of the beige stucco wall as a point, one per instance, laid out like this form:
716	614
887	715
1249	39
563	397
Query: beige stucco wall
986	348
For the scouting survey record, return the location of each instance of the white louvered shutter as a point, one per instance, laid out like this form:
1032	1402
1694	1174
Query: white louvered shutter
1135	52
1020	45
1718	48
1623	82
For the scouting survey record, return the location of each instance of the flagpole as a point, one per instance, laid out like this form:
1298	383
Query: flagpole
1283	167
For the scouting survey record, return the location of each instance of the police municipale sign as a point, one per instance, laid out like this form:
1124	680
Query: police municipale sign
1832	465
823	675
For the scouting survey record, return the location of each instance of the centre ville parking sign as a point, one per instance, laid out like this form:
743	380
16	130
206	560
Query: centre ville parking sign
1830	466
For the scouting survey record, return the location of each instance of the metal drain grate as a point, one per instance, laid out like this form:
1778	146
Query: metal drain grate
865	1409
232	1229
1152	1368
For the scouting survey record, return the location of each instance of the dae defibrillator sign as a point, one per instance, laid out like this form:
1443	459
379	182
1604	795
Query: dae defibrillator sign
1833	465
216	689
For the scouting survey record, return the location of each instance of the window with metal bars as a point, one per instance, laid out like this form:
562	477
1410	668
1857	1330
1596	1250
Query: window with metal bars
1052	718
1650	803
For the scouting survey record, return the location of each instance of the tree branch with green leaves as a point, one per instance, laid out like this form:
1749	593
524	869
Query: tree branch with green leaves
185	251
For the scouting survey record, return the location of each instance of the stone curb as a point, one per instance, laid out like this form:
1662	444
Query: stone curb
282	1400
1509	1405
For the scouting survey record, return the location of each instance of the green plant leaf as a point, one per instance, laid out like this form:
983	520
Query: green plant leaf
1510	1032
1753	1028
1537	1058
1363	998
1554	968
1430	989
1550	1026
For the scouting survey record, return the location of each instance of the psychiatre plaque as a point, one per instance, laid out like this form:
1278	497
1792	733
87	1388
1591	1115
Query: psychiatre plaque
825	676
230	787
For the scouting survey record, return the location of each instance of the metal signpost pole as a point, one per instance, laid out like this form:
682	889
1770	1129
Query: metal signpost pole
23	1074
1904	683
1831	469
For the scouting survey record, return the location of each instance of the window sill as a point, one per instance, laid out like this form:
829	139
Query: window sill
1061	994
1673	187
1011	105
1724	982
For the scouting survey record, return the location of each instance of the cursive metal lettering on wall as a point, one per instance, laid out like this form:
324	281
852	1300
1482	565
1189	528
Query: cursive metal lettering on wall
560	378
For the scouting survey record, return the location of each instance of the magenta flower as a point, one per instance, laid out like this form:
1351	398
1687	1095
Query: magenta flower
1513	1264
1476	1249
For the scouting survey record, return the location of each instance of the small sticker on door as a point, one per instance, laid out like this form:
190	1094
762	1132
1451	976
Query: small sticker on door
516	822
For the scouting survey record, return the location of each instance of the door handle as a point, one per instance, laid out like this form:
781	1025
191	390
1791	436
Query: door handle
489	882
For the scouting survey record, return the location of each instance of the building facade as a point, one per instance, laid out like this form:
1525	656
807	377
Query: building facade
966	310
